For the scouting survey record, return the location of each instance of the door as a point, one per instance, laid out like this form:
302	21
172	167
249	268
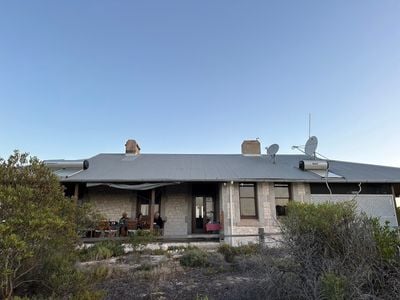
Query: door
203	212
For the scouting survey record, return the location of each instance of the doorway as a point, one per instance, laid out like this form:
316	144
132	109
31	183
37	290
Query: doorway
203	212
204	206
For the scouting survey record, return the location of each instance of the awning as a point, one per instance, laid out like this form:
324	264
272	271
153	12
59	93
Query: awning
132	187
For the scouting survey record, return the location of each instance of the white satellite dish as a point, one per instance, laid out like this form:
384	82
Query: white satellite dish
311	146
272	150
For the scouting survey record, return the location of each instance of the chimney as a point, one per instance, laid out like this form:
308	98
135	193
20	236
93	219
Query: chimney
251	147
131	147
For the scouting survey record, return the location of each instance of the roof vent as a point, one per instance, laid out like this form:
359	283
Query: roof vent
251	147
132	147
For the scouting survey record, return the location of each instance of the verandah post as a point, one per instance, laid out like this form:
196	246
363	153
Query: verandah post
152	202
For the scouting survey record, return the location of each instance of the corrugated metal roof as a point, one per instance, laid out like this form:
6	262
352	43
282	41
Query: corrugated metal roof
221	167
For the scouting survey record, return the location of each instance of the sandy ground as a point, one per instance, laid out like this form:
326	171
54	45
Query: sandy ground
162	277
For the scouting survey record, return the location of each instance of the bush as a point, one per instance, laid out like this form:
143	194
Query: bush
333	287
229	252
102	250
38	232
142	237
194	258
335	253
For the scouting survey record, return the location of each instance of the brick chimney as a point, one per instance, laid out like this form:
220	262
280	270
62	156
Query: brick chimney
132	147
251	147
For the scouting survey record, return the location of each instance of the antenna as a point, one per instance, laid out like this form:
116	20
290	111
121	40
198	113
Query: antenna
311	146
309	125
272	150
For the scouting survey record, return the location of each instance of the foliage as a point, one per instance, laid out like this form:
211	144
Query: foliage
102	250
194	258
87	217
229	252
333	287
387	240
336	253
142	237
37	231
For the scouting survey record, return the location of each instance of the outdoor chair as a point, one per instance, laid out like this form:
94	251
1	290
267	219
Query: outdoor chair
145	222
113	229
102	228
132	226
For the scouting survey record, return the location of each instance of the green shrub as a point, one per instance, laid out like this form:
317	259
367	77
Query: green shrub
247	250
38	233
102	250
387	240
338	253
322	222
229	252
142	237
333	287
194	258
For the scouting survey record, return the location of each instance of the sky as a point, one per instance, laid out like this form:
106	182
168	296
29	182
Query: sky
78	78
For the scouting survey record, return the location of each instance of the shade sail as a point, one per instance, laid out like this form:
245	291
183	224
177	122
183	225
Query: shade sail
132	187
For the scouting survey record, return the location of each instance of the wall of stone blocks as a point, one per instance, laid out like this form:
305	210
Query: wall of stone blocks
266	212
300	192
177	202
111	203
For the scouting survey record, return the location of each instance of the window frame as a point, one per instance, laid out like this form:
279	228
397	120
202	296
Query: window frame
255	198
289	198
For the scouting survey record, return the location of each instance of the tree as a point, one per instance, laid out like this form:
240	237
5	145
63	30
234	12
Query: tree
38	233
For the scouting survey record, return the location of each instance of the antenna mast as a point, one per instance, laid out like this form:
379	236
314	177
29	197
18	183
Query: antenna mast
309	125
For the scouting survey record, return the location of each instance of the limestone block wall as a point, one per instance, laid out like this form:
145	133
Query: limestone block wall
176	204
266	212
111	203
300	192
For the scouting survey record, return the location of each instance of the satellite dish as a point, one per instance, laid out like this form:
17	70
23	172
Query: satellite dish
311	146
273	149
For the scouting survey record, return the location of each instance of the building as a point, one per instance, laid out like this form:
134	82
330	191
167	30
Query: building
241	192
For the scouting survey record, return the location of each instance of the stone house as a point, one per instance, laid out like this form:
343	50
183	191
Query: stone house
241	192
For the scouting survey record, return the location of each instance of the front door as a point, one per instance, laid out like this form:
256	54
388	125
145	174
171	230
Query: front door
203	212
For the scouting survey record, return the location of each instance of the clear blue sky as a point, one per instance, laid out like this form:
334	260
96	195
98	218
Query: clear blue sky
80	77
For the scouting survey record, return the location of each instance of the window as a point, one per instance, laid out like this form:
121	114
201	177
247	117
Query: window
282	198
144	202
248	200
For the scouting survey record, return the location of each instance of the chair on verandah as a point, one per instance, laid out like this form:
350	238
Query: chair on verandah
132	226
102	228
145	222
